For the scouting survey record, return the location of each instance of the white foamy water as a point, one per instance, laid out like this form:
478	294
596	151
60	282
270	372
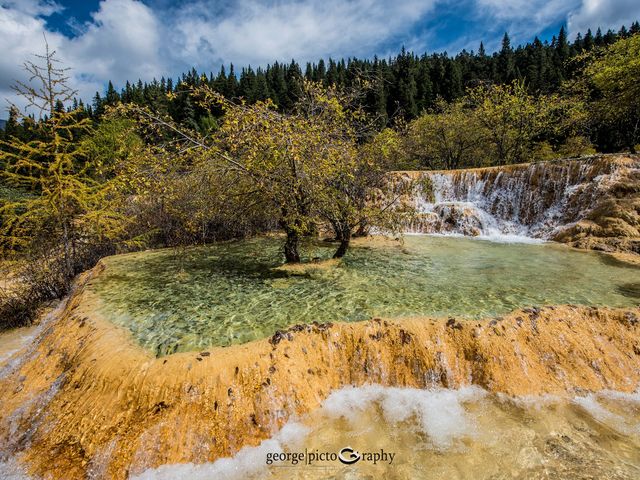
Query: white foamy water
511	205
12	469
439	413
248	462
448	434
494	237
606	407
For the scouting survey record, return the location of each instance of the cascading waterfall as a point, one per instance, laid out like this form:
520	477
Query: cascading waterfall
530	201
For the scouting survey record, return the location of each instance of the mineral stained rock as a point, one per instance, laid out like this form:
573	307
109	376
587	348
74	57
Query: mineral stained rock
85	400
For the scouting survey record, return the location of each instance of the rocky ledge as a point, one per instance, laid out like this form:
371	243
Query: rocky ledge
86	402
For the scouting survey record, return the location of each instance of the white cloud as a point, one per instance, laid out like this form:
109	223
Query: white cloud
128	39
121	42
537	13
255	31
524	19
33	7
605	14
22	32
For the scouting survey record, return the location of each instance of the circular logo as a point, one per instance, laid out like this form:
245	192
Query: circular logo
348	456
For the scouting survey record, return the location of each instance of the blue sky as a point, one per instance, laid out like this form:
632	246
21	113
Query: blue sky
130	39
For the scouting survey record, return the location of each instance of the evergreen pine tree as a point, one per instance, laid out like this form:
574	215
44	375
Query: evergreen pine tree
98	105
220	83
246	85
13	127
260	88
453	87
232	83
111	97
562	46
321	72
406	89
294	87
425	87
598	40
56	217
506	64
588	42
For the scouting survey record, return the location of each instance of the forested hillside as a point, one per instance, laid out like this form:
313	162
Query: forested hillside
400	87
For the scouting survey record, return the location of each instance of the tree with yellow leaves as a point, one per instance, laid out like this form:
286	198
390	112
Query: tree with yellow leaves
306	167
511	118
609	84
287	159
66	207
448	137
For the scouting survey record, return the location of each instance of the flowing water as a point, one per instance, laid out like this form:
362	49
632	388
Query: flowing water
12	341
443	434
530	200
230	293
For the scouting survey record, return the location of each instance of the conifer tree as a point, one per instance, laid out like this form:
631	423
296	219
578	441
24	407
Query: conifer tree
232	83
562	46
598	39
260	88
61	214
293	91
481	51
98	105
13	127
506	60
588	42
112	97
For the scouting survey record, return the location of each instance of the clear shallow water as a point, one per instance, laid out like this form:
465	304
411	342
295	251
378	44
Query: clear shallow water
446	434
229	293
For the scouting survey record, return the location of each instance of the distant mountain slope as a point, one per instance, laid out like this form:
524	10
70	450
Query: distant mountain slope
2	124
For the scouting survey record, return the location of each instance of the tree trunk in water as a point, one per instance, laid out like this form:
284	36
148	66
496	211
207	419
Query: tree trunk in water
291	253
342	248
345	237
